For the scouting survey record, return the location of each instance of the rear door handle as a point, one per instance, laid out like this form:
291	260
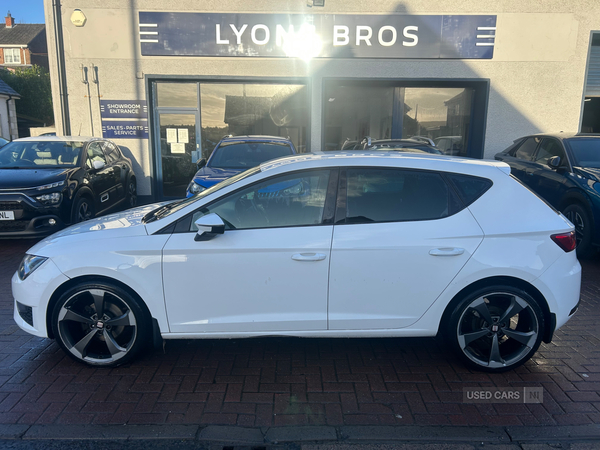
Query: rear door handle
446	251
308	257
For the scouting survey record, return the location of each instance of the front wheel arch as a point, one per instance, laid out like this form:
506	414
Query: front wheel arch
89	279
549	318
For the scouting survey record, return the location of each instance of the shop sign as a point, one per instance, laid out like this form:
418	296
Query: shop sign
125	129
317	36
123	109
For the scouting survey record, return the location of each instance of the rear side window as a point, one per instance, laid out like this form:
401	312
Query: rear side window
469	188
390	195
526	150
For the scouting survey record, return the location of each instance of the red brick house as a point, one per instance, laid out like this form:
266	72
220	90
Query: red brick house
22	44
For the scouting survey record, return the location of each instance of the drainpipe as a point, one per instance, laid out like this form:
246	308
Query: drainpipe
8	112
60	64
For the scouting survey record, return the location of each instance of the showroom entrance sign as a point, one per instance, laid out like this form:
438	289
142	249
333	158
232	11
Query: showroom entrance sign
136	111
123	109
317	36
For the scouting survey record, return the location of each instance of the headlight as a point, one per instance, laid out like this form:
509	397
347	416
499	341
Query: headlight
50	199
29	264
51	185
195	188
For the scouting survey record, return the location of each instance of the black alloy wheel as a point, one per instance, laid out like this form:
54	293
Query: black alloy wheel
99	324
131	193
580	218
496	329
83	210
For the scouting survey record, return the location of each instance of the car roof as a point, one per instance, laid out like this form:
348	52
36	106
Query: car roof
410	160
258	138
564	135
58	139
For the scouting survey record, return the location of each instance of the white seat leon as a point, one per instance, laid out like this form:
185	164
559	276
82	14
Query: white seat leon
315	245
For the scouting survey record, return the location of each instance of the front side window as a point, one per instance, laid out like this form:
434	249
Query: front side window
243	155
385	195
548	149
12	56
95	153
291	200
526	150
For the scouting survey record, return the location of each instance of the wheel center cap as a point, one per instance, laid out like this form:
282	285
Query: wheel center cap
100	325
495	328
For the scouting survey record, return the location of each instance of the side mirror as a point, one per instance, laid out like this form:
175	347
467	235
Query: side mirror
201	163
554	162
208	227
98	165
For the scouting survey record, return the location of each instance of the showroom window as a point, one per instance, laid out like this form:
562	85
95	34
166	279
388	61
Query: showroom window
191	117
442	112
388	195
590	120
12	56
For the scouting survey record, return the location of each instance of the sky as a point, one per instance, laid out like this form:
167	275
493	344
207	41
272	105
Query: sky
23	11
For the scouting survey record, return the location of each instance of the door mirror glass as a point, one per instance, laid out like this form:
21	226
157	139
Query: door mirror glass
98	165
208	227
201	163
554	162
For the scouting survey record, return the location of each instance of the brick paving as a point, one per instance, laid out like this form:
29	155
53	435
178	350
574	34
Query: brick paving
288	381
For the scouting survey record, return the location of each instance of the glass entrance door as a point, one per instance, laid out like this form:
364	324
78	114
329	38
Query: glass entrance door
177	142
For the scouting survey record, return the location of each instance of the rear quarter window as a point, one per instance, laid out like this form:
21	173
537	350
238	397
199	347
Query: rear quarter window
469	188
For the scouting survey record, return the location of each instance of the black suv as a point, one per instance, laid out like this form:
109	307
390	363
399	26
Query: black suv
563	169
49	182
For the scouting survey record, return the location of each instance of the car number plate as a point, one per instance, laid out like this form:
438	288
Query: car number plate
7	215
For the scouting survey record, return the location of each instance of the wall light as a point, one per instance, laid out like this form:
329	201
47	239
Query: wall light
78	18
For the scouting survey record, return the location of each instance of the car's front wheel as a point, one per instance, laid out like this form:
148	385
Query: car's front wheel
495	329
580	218
100	324
83	210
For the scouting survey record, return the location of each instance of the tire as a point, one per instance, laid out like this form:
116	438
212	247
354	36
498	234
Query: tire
108	340
580	218
495	329
83	209
131	201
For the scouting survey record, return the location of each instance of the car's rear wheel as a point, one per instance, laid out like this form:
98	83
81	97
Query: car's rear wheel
580	218
83	210
100	324
496	328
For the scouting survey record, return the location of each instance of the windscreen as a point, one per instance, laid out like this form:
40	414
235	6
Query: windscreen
244	155
34	154
586	152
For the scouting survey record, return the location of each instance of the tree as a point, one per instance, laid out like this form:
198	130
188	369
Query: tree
33	84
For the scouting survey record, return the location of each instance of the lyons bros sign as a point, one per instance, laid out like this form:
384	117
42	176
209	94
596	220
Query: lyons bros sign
317	36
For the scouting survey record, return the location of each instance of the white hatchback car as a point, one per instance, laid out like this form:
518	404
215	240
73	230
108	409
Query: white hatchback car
317	245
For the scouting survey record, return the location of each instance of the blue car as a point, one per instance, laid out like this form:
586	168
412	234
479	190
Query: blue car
563	169
233	155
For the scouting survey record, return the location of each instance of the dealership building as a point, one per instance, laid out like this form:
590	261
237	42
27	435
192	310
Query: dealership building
166	80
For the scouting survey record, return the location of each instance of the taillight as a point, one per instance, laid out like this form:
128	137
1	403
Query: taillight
566	241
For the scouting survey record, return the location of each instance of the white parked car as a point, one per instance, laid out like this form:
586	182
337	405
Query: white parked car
322	245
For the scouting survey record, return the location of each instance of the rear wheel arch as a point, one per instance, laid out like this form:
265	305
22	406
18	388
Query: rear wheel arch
90	279
508	281
577	197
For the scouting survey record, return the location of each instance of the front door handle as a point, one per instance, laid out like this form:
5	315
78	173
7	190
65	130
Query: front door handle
446	251
308	257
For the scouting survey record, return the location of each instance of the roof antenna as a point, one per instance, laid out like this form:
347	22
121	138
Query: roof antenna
79	133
